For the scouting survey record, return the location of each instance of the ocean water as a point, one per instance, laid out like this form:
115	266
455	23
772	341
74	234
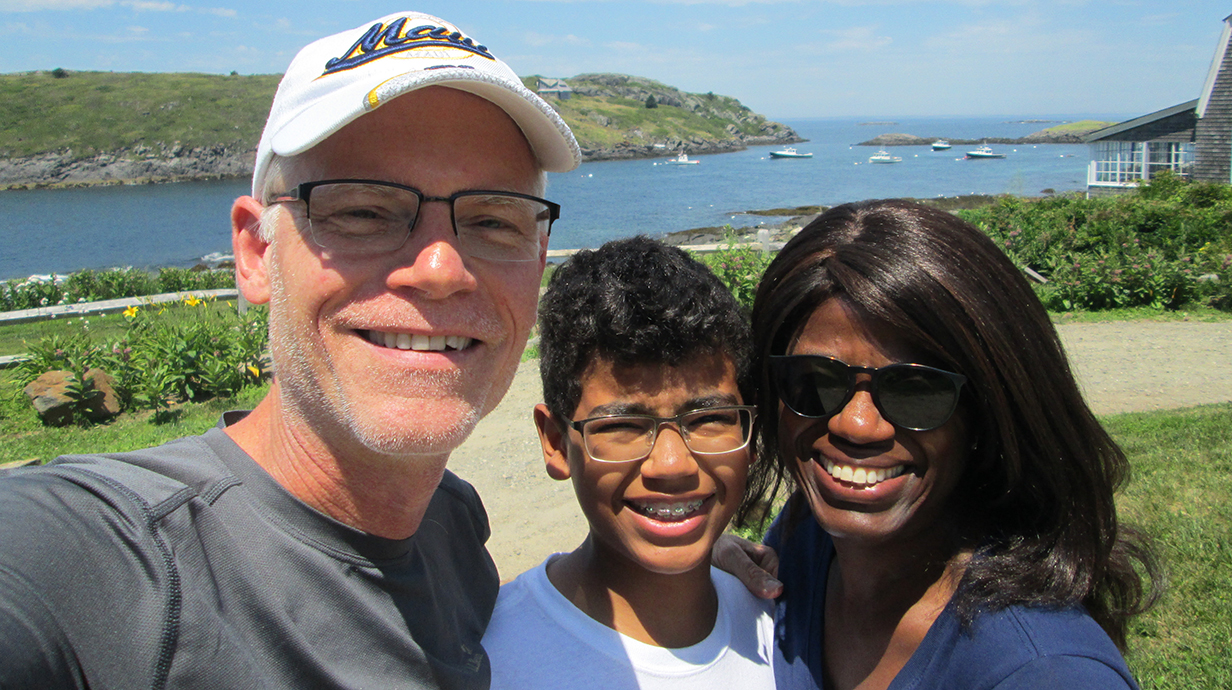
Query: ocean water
45	231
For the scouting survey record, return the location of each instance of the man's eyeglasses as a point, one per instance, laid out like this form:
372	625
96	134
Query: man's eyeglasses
370	217
631	437
911	396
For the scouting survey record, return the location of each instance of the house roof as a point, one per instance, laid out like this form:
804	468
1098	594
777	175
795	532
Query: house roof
553	84
1139	121
1216	65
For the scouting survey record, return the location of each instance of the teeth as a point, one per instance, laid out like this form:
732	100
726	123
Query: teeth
669	511
419	342
860	475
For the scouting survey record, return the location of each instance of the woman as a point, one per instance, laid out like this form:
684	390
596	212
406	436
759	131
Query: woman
964	532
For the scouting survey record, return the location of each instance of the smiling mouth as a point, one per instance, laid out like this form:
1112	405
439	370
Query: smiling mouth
668	512
861	476
418	341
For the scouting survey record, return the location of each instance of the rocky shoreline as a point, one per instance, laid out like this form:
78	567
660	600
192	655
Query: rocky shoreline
61	170
125	167
1042	137
788	221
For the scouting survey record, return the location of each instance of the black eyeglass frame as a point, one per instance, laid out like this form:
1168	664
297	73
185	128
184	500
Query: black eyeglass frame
577	425
303	192
777	362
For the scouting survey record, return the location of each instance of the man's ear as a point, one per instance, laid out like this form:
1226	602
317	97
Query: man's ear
554	441
250	250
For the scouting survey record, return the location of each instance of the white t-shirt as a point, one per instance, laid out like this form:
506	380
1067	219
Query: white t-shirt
538	639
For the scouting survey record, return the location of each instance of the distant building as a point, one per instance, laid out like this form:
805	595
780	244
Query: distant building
1192	139
554	87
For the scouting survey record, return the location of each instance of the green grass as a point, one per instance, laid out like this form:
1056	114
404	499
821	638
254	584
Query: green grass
15	338
26	439
1192	313
95	112
1182	481
1080	126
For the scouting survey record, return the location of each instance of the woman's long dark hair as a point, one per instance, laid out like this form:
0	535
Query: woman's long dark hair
1037	495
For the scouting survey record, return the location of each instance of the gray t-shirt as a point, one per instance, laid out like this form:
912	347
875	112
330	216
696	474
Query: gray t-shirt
188	566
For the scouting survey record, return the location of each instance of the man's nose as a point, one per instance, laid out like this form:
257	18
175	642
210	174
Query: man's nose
432	260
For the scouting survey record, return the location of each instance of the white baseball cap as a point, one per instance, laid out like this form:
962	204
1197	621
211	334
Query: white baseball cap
336	79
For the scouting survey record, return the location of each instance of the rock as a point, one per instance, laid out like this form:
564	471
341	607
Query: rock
103	403
126	166
49	395
57	396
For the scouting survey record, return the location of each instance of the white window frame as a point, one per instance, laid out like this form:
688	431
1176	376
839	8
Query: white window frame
1128	163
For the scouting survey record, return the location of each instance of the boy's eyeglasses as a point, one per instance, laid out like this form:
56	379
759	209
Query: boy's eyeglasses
371	217
631	437
911	396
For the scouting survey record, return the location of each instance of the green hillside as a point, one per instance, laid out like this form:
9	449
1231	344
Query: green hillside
91	113
610	109
1079	127
100	112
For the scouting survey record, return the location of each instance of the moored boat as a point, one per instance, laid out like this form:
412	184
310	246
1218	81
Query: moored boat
941	145
984	152
681	159
883	157
789	152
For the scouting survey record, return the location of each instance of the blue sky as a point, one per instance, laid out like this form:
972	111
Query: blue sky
785	59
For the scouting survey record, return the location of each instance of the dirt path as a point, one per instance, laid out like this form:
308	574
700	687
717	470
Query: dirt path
1122	367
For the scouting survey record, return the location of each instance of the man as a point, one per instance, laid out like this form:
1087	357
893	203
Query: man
397	233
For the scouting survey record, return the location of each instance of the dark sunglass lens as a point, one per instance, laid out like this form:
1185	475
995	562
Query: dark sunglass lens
916	397
812	386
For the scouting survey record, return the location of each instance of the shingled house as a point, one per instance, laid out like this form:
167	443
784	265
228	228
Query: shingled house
549	86
1192	139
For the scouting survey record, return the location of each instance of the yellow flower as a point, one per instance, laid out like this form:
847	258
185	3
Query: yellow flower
131	312
191	301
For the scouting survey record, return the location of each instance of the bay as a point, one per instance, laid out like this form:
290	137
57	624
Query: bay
182	224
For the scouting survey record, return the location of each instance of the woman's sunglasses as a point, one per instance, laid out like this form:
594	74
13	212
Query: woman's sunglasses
910	396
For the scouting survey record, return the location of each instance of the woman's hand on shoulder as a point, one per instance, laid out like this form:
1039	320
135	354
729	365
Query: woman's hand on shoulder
756	565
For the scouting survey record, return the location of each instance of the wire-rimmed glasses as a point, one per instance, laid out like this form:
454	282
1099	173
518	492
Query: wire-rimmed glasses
631	437
369	217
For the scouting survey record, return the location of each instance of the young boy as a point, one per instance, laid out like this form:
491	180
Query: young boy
644	366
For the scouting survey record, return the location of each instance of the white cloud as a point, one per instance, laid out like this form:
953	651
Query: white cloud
135	5
152	6
40	5
537	39
856	39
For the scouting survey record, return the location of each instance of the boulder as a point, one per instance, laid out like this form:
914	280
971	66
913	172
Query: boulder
49	394
103	402
58	396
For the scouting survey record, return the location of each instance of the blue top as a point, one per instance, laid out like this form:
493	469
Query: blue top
1015	648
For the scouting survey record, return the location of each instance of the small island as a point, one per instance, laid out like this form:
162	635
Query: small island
1067	133
60	128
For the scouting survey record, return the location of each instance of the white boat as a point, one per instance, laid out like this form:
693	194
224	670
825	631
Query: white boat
883	157
682	159
941	145
789	152
984	152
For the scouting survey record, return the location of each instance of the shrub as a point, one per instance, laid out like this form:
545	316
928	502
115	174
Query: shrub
213	353
739	266
1164	245
90	286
